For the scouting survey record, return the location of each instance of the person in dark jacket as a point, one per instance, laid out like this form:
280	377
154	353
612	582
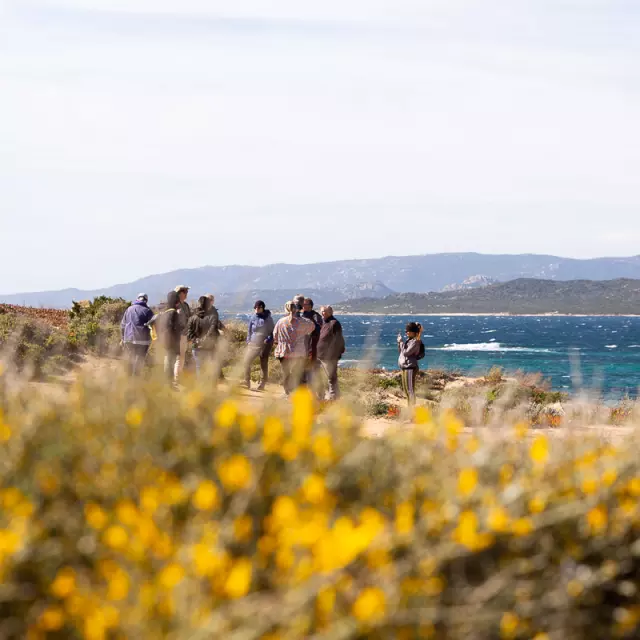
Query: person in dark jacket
259	343
330	349
203	332
170	331
136	335
312	341
184	313
409	352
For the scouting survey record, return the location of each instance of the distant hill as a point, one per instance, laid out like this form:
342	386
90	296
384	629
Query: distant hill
521	296
419	274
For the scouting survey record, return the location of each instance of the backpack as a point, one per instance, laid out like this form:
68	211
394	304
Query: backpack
421	353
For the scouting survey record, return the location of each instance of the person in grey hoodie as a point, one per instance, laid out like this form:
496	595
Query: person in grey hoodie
259	343
409	354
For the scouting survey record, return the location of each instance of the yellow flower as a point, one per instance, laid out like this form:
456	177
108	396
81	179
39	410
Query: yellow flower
302	417
171	576
634	487
273	432
116	537
539	450
207	562
404	518
314	489
498	520
235	473
597	519
150	499
326	600
51	619
118	588
609	477
64	583
522	527
9	542
370	605
422	415
322	447
589	486
126	512
243	528
226	414
284	512
466	532
289	450
509	625
5	431
205	497
452	424
239	580
372	520
537	504
134	416
467	481
248	426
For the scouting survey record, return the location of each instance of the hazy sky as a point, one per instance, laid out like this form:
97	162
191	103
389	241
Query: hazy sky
140	136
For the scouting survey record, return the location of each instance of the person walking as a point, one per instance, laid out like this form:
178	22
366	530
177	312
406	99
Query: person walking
136	334
259	343
312	341
218	328
291	348
202	332
170	333
330	349
184	313
410	351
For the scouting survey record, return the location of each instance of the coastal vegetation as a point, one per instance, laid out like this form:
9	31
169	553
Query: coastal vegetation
129	511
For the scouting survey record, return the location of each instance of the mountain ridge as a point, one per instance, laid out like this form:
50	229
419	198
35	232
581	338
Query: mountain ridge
402	274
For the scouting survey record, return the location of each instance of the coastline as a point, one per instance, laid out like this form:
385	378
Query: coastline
493	315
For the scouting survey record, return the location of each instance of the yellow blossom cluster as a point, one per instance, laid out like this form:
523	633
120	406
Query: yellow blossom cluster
130	511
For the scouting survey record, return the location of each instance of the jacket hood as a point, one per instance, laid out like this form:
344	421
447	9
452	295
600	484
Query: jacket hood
141	303
265	314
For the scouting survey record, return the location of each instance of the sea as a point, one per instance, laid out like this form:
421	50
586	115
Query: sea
597	353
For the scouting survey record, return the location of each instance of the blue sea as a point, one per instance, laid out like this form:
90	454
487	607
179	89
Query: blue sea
600	353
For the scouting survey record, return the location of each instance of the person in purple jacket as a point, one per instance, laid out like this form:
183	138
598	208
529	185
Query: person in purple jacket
259	343
136	335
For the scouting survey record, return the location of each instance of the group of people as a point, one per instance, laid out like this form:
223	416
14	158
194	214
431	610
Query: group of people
306	342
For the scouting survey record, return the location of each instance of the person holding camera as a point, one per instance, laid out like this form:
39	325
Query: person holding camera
410	352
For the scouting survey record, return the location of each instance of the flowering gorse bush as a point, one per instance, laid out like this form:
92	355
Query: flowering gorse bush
131	511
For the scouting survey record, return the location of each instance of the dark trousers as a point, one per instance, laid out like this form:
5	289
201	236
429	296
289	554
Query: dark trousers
136	355
292	373
262	351
409	384
330	368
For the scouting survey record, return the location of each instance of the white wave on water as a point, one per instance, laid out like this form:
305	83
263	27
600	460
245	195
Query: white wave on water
634	346
610	346
489	331
487	346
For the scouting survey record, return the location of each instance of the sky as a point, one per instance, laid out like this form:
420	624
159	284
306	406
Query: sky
142	136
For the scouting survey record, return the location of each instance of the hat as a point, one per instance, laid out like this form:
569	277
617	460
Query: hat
143	296
181	287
